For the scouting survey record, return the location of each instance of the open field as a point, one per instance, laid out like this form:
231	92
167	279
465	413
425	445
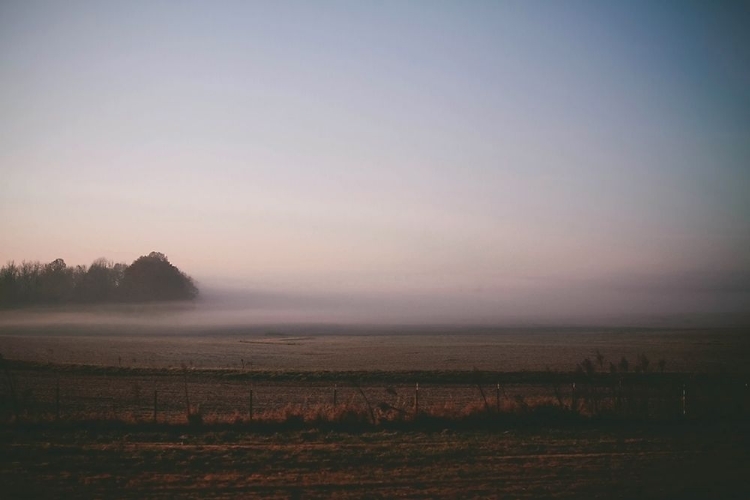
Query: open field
300	366
79	419
313	348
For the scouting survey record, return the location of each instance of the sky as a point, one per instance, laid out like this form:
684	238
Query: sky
453	161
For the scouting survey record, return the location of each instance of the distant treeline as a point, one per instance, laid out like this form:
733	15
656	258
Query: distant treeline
149	278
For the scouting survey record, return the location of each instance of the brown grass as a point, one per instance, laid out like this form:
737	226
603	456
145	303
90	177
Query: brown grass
377	398
170	462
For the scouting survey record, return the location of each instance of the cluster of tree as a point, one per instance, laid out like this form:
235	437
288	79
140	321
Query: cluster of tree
149	278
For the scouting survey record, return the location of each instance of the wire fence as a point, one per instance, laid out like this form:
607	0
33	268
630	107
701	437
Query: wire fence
38	395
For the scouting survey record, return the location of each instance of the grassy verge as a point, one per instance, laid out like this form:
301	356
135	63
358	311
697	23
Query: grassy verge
43	393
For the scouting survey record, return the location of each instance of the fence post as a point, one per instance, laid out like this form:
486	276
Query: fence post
187	397
416	400
155	405
684	401
497	397
251	405
334	395
57	399
574	399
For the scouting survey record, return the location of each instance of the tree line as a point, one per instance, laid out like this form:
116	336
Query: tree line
149	278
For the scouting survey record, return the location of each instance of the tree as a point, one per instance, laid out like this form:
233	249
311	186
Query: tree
30	282
99	283
149	278
9	284
153	278
56	282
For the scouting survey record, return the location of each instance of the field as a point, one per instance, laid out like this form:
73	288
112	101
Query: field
340	348
651	462
321	412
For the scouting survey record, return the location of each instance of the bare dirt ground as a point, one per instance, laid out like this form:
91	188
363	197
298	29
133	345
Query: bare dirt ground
647	462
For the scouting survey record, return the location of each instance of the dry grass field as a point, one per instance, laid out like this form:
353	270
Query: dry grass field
77	410
644	462
312	348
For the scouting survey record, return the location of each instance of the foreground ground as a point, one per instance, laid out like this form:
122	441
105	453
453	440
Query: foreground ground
644	461
86	429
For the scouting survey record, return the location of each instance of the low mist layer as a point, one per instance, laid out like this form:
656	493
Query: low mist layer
667	302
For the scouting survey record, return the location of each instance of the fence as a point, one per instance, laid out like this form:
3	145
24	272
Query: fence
168	396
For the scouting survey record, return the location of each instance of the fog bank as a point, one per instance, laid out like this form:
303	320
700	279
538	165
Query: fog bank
683	301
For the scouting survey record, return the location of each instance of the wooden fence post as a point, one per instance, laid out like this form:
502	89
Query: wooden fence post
187	397
251	405
416	400
497	398
155	406
684	401
57	399
334	395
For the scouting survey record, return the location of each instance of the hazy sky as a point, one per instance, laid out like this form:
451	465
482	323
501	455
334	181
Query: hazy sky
520	154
